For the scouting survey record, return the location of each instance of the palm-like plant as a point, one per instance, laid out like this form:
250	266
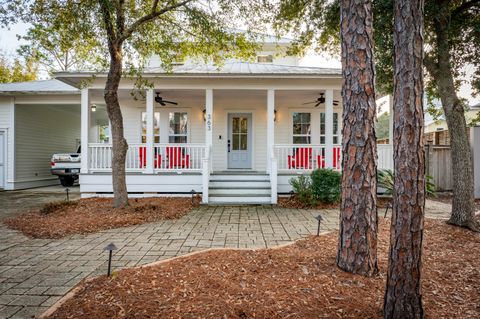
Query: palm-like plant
386	180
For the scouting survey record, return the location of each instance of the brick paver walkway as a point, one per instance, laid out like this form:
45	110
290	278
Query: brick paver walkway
35	273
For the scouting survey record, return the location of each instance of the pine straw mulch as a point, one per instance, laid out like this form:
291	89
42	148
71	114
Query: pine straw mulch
296	281
60	219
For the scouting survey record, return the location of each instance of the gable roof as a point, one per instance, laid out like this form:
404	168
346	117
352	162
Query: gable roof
37	87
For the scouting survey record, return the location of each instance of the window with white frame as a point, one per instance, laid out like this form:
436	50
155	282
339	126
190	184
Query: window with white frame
267	58
104	133
178	127
301	128
156	127
336	137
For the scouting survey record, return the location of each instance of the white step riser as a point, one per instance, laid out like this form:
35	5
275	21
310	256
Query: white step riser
233	191
239	177
239	200
242	184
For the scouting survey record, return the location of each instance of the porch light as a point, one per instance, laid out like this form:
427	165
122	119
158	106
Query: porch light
93	107
204	115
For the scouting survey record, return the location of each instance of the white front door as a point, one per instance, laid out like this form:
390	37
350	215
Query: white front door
2	159
239	140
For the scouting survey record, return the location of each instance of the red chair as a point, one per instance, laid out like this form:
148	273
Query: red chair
143	158
336	158
176	158
300	159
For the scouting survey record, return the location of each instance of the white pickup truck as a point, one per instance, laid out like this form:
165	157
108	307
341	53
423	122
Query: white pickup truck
66	167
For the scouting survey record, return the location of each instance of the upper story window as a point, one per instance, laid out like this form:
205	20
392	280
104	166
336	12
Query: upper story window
301	128
268	58
336	137
178	127
156	127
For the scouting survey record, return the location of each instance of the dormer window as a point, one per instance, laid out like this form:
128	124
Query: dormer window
265	58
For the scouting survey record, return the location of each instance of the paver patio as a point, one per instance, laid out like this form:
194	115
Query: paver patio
35	273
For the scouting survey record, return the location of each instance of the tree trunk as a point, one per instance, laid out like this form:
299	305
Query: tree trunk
403	297
357	245
463	209
119	144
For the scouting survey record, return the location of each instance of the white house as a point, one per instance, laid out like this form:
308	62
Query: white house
237	133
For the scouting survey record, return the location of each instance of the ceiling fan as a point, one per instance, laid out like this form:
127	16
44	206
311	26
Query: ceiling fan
321	100
163	102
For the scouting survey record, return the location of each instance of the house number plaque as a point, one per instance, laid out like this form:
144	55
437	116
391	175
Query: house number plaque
209	122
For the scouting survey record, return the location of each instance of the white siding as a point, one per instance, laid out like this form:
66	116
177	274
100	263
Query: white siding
7	124
40	131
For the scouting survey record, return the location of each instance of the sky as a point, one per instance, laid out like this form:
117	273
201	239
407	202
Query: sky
9	44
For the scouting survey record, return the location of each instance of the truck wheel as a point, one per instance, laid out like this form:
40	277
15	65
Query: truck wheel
67	181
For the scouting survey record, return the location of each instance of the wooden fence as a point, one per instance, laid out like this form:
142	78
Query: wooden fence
438	160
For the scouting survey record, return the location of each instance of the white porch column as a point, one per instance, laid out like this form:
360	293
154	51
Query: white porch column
85	128
206	162
209	119
329	128
150	133
270	126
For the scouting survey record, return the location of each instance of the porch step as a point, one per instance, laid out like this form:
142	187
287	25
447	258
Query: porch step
239	188
239	177
239	191
239	200
239	183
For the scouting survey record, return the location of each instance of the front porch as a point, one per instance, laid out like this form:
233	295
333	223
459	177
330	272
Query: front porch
180	148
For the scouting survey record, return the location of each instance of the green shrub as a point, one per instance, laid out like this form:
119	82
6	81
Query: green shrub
386	178
302	187
326	185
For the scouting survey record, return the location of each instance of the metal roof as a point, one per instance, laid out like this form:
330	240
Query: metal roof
248	68
227	69
37	87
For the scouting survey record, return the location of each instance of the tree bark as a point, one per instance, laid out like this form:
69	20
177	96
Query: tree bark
357	245
403	297
463	209
119	143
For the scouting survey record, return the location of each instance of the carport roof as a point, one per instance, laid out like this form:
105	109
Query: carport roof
37	87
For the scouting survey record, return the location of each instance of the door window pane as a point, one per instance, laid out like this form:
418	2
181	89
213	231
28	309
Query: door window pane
178	127
239	133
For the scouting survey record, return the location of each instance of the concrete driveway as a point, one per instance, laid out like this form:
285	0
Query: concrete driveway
15	202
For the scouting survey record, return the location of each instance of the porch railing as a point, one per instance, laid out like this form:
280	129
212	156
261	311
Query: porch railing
179	157
167	157
305	157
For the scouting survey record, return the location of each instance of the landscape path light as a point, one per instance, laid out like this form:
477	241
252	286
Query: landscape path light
319	218
111	247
